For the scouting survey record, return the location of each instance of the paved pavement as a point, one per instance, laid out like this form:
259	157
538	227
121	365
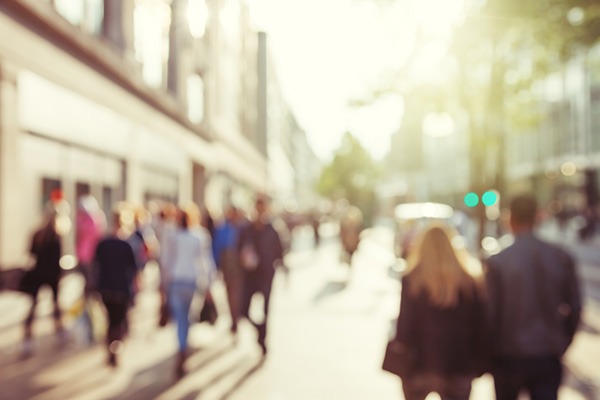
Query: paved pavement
328	328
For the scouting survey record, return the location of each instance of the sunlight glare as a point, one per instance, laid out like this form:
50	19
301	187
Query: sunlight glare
229	16
373	125
437	17
197	16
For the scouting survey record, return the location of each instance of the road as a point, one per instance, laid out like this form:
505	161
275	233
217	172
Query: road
328	328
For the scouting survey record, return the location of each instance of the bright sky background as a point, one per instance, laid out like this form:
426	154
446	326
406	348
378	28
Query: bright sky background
328	52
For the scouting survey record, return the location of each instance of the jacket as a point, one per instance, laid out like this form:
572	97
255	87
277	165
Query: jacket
115	262
187	257
449	341
267	245
534	299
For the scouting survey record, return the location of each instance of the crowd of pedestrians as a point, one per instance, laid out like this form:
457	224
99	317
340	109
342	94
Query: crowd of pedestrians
513	318
191	250
512	315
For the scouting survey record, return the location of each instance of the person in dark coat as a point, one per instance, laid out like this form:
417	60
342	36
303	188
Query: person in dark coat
535	307
260	251
116	269
441	320
46	249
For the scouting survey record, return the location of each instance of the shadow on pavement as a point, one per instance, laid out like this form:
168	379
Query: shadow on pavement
49	367
150	382
54	372
242	379
584	386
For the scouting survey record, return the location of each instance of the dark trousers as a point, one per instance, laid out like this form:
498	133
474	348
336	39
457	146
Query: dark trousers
231	276
31	315
256	283
540	376
116	310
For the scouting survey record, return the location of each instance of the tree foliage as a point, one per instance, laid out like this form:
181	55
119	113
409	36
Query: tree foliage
352	175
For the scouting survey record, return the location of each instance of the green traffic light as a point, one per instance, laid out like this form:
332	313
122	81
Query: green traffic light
489	198
471	199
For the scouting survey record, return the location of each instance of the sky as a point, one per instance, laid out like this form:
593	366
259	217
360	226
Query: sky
330	52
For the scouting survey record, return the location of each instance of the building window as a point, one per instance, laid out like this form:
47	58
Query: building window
152	20
51	191
86	14
195	98
71	10
197	16
94	16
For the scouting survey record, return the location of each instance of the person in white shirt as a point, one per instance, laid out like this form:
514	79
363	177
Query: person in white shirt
188	266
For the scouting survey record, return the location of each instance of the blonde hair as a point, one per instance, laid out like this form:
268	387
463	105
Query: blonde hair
440	270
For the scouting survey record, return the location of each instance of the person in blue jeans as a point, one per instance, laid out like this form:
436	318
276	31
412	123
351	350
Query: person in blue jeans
189	266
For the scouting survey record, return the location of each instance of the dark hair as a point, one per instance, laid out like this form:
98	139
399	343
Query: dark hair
523	209
184	219
47	233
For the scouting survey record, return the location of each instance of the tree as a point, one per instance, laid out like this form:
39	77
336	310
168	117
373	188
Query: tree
499	53
522	42
352	175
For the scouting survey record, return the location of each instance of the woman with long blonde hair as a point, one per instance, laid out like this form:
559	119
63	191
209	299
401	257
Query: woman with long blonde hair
441	321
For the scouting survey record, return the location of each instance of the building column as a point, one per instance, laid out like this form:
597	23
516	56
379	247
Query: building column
9	166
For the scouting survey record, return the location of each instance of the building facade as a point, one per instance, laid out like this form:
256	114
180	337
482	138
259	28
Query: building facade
132	100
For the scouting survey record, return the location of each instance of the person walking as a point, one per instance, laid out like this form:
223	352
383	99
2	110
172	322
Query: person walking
164	225
350	229
535	307
441	323
116	269
260	251
90	225
46	249
225	253
143	243
188	266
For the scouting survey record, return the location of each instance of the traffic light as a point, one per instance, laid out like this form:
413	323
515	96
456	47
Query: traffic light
489	198
471	199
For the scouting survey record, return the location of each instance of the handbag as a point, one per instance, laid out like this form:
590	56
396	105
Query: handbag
398	359
209	310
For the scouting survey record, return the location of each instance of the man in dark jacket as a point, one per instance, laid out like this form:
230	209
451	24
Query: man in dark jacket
260	252
535	308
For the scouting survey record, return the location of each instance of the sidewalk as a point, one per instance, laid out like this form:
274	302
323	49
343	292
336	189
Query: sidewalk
327	332
582	360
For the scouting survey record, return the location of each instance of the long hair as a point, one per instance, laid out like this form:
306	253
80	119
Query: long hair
440	270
